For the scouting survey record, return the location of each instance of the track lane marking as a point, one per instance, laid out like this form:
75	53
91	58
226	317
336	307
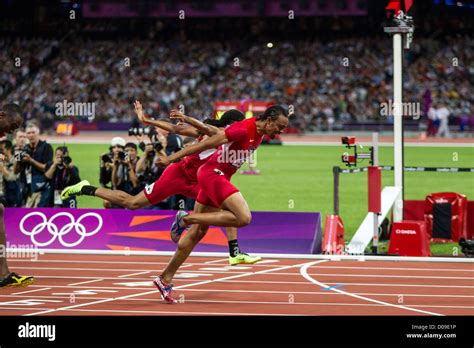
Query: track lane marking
176	288
304	273
26	292
86	282
132	274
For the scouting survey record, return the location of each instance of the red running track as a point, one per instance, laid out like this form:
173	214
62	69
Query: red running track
71	284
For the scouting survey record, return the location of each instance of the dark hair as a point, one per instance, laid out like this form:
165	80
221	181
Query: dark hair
274	112
64	149
7	143
12	110
227	118
212	122
132	145
231	116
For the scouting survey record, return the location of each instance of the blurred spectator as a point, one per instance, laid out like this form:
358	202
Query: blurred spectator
61	172
19	146
106	161
433	121
9	184
124	167
442	114
32	162
148	168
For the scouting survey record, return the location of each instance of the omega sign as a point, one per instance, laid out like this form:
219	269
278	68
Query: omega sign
405	231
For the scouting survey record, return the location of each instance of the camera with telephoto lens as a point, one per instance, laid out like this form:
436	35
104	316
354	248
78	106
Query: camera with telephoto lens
157	147
150	131
19	155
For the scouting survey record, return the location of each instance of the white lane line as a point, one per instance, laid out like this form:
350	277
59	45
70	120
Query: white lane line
404	268
176	288
258	264
86	282
183	313
266	261
329	293
380	276
304	273
21	308
262	282
132	274
215	261
26	292
355	284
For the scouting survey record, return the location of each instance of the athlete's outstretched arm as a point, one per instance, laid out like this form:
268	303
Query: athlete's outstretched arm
205	129
186	131
209	143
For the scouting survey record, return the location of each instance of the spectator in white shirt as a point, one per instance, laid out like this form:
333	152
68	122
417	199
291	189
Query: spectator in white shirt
442	114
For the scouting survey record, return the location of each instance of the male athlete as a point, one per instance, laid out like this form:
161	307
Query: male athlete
10	120
219	203
178	178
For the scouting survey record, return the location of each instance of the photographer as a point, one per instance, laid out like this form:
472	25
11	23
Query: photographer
61	173
20	142
106	161
32	162
10	195
148	168
124	167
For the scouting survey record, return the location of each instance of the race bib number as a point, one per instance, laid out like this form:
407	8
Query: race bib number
149	189
28	178
57	198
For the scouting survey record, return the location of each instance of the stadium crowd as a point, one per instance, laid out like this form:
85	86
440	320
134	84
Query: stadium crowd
328	83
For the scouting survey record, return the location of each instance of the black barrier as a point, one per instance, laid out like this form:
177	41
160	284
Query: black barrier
410	169
337	170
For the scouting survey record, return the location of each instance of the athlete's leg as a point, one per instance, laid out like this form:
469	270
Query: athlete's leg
6	278
4	271
231	233
186	244
235	213
122	198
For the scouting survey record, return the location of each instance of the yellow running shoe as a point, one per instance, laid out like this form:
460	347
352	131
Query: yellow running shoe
14	280
74	190
243	258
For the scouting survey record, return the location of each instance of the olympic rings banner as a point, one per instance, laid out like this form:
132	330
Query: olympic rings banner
148	230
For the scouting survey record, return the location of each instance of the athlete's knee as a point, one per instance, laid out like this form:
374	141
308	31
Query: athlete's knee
244	219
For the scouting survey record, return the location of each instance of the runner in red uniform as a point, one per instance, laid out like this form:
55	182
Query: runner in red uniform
219	203
10	120
178	178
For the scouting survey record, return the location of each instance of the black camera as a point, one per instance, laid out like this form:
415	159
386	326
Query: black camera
107	158
157	147
150	131
122	155
66	160
19	155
